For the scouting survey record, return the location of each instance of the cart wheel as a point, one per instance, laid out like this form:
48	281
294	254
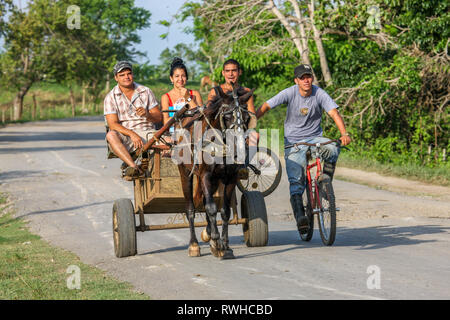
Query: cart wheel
124	228
253	207
205	236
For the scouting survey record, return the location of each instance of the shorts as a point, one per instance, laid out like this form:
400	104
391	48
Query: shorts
144	134
128	143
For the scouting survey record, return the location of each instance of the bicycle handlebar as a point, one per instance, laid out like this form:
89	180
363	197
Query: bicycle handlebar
314	144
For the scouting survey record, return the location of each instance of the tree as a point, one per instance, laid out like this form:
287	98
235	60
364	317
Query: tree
39	44
397	56
233	20
121	20
5	6
29	47
205	57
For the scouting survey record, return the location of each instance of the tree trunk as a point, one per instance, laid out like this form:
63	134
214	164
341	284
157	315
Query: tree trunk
300	43
72	101
304	39
322	55
83	98
295	38
18	102
33	111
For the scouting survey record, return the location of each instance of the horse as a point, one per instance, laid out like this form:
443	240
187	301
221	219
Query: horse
227	111
206	83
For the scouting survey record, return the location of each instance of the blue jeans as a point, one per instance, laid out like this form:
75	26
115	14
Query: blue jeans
296	162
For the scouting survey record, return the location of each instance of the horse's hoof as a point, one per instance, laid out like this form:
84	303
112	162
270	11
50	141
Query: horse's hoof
227	254
213	246
194	250
205	236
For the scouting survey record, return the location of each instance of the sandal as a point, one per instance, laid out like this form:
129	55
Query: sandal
133	172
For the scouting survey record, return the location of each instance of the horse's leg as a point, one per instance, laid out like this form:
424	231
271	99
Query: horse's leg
211	212
198	199
225	213
186	183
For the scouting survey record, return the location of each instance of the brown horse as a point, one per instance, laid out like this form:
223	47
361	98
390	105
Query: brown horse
206	82
227	113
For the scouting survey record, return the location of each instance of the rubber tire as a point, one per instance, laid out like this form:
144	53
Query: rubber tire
326	193
275	183
308	211
256	230
124	228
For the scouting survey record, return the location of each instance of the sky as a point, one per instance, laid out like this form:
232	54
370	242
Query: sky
151	43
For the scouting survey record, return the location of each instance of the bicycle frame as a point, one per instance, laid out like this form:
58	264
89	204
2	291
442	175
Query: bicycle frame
317	190
314	196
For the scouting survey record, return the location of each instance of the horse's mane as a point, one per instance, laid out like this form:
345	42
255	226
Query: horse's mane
213	107
217	101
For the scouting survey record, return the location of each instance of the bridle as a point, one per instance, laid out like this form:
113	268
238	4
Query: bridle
238	125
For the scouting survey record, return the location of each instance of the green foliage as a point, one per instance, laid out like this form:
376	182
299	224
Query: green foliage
121	20
39	44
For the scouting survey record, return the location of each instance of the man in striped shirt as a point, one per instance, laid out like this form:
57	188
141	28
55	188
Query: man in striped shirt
131	112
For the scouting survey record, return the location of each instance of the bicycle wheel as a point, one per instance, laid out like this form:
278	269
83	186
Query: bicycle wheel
264	173
307	203
327	214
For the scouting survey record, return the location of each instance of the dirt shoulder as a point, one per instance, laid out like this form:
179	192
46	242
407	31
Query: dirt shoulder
405	186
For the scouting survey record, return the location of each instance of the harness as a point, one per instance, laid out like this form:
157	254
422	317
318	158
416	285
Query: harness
238	125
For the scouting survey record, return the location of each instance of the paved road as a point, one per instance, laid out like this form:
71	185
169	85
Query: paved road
388	245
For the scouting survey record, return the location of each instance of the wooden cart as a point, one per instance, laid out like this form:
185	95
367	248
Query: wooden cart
160	192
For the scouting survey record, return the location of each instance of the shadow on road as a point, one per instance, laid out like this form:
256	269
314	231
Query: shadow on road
378	237
26	136
63	209
44	149
15	174
370	238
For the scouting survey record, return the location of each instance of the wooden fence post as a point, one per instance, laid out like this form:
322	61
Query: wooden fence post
33	110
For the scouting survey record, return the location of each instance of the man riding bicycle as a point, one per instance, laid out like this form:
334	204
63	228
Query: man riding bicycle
305	104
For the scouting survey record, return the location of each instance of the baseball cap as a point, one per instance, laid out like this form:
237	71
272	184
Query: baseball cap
301	70
121	65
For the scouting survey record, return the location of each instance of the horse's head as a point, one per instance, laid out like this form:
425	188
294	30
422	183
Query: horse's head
229	109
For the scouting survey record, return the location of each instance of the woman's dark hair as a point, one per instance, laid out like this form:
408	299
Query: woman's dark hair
177	63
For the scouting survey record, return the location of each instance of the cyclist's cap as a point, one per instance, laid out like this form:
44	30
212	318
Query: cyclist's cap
122	65
302	69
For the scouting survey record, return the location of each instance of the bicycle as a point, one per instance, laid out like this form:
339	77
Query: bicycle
318	197
264	174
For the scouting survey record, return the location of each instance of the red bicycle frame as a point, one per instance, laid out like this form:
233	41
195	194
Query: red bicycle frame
315	200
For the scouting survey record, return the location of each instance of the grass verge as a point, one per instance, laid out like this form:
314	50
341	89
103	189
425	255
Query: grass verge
31	269
437	176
